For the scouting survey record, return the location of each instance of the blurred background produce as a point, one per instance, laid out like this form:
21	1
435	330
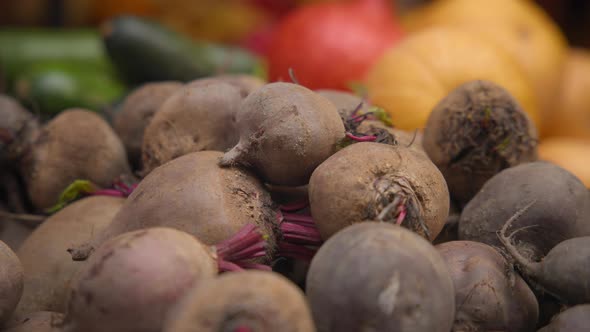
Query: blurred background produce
57	54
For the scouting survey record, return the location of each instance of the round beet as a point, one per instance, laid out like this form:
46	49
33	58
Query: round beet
193	194
136	113
245	83
561	211
48	267
488	295
475	132
286	131
576	318
243	302
372	181
195	118
130	283
379	277
11	282
76	144
42	321
564	272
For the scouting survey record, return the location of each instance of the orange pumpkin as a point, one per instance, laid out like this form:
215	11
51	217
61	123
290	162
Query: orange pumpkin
571	114
570	153
520	27
412	77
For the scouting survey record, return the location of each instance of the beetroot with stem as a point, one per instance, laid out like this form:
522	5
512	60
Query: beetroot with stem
564	272
299	237
193	194
562	210
286	131
373	181
76	144
131	282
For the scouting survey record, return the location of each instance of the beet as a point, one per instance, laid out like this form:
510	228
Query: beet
564	272
475	132
195	118
372	181
550	221
136	113
286	131
193	194
489	296
379	277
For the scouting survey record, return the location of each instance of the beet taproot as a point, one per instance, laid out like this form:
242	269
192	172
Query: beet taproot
285	131
561	211
565	270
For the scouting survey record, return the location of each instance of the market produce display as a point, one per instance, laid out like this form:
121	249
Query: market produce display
297	166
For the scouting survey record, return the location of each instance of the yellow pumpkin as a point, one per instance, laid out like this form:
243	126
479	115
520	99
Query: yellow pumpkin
573	154
571	115
520	27
411	78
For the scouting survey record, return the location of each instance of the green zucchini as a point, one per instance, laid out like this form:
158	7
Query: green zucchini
51	87
144	50
21	48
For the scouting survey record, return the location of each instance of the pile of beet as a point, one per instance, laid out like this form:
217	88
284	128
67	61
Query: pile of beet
228	204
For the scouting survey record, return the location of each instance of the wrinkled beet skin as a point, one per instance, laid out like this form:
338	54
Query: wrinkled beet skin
576	318
193	194
93	152
351	287
259	301
561	210
11	282
195	118
131	282
342	189
465	129
487	297
136	112
286	131
46	262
